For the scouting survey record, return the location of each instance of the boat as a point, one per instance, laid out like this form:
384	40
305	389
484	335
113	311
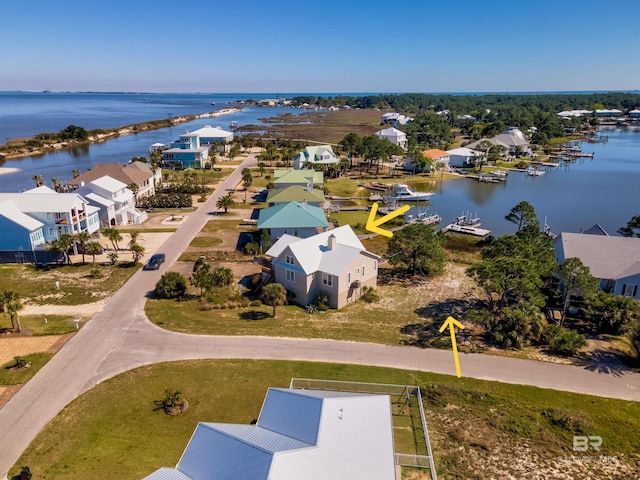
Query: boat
213	102
499	174
534	172
467	225
233	124
401	192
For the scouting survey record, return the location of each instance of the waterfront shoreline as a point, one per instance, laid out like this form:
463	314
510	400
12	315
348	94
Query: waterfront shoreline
20	144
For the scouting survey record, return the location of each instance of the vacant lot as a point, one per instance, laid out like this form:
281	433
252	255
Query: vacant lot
478	429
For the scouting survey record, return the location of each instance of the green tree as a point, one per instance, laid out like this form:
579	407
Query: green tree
82	238
57	184
134	238
113	257
612	313
632	228
261	168
137	251
568	342
93	249
75	172
233	152
274	294
11	304
417	247
134	187
523	215
171	285
247	180
351	143
575	280
222	277
62	245
225	202
201	277
114	235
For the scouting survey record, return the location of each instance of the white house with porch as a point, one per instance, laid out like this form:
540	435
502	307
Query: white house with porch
394	135
117	203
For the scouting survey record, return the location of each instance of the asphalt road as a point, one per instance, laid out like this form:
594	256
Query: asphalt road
120	338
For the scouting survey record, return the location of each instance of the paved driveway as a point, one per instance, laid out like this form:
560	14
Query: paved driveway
120	338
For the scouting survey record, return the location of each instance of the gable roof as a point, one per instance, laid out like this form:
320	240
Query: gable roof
109	183
212	132
295	193
39	200
463	152
292	215
313	254
303	176
10	211
390	132
607	257
313	154
119	171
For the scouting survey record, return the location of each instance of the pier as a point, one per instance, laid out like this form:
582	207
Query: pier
476	231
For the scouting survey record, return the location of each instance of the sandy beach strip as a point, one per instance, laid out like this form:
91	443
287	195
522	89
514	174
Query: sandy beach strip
5	170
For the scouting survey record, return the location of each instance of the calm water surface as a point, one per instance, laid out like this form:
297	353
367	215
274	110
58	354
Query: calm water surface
604	190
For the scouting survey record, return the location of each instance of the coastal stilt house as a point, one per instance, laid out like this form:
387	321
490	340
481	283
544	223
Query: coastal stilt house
186	152
394	135
137	174
215	137
300	434
315	156
116	202
22	238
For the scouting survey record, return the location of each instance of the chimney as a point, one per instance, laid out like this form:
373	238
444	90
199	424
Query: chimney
305	204
331	243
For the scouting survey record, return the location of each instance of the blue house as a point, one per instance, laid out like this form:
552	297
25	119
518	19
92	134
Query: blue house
22	237
186	152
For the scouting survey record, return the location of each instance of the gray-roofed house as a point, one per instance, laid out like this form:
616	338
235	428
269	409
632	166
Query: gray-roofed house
614	261
395	136
121	210
293	218
315	155
332	263
300	434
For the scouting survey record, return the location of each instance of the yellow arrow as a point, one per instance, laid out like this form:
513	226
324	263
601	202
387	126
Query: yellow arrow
373	225
450	322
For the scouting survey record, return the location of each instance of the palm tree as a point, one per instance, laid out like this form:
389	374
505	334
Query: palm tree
62	245
113	257
93	248
82	238
134	237
114	235
222	277
134	187
57	184
138	252
274	294
261	168
225	202
247	180
75	172
11	304
39	179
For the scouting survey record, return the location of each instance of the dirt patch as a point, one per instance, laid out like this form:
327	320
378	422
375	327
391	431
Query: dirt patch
11	347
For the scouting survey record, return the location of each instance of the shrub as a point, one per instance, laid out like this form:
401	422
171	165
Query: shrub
96	273
635	340
369	294
20	362
252	248
171	285
171	200
568	343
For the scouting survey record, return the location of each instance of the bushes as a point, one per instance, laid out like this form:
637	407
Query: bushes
170	200
369	294
171	285
567	343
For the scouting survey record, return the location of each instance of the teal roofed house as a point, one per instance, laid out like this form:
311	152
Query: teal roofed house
303	178
294	218
296	193
315	155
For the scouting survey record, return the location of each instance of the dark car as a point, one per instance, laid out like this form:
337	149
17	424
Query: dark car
154	262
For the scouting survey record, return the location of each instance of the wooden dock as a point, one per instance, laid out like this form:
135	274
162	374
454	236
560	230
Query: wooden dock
478	232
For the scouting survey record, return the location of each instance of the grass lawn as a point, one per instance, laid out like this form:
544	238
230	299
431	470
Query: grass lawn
56	324
77	286
203	242
377	322
12	376
478	429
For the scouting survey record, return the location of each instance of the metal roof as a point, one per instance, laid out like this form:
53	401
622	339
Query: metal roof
124	173
10	210
165	473
295	193
42	201
292	215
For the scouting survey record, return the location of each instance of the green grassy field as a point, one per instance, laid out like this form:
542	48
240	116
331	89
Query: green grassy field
474	425
12	376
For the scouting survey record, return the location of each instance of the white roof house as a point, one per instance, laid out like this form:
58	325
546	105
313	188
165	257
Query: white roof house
461	157
614	260
394	135
300	434
209	134
315	155
117	203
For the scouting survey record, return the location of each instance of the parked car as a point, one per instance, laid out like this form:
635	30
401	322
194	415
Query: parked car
154	262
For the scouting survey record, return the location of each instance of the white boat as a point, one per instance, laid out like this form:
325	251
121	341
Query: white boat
213	102
534	172
402	193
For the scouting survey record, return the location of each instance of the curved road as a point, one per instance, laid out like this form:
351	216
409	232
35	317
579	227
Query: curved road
120	338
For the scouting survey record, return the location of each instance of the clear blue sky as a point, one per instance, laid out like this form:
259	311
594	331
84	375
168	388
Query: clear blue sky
319	46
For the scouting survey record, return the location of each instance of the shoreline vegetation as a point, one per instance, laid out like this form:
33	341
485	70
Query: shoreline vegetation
26	147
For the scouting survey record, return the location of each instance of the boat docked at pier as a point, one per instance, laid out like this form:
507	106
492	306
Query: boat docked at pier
402	193
535	172
468	225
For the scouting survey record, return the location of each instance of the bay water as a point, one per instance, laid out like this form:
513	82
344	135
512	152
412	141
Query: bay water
572	197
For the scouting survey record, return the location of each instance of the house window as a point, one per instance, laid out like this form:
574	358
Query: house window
363	270
629	290
290	260
290	275
349	278
327	279
357	271
375	265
